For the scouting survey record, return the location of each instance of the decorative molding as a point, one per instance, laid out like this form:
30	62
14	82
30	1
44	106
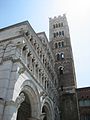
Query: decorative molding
20	99
43	95
21	70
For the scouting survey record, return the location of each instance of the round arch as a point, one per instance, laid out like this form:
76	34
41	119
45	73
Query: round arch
31	99
47	110
24	111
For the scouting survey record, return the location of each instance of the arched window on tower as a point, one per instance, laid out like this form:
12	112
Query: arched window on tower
61	24
62	56
58	56
61	70
56	25
59	44
54	35
59	33
62	43
56	45
63	33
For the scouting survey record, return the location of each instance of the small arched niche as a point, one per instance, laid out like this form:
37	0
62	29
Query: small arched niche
46	112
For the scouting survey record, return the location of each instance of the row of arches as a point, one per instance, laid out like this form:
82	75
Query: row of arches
60	56
59	44
31	108
35	65
58	34
57	25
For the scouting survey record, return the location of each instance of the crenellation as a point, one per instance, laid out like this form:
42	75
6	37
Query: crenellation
58	17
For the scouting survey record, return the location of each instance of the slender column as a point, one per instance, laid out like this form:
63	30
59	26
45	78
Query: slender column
38	74
34	67
36	71
30	63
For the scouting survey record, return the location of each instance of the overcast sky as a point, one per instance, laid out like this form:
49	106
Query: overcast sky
37	12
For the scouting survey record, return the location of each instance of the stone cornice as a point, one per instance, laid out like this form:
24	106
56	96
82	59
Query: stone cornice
11	38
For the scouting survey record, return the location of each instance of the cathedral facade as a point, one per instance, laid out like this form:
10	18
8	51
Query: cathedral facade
37	76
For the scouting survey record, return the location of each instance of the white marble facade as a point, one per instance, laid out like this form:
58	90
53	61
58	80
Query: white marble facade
27	76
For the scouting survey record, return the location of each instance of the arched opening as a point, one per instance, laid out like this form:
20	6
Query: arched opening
45	112
24	111
61	68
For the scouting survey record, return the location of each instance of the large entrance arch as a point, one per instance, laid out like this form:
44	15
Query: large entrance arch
24	111
29	109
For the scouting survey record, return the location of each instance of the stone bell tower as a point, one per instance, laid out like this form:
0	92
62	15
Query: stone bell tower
64	65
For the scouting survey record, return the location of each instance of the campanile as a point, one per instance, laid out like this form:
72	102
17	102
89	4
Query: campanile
64	66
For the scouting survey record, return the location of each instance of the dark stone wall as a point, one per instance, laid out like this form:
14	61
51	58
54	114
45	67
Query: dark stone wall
68	107
68	102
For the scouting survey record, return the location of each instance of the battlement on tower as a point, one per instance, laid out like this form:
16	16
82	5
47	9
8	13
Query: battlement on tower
58	17
57	25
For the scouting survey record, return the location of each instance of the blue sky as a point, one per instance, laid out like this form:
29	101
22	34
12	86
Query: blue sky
37	13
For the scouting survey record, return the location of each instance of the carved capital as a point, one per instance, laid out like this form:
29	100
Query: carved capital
20	99
21	70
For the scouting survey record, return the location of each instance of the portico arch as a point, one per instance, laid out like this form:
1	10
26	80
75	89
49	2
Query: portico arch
24	111
31	102
47	110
